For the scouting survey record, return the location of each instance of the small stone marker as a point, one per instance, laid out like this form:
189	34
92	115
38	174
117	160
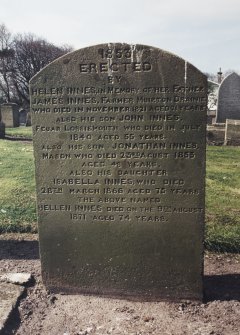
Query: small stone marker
10	115
228	106
232	132
18	278
119	141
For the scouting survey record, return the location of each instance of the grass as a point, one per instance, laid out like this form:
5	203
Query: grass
21	131
17	196
223	199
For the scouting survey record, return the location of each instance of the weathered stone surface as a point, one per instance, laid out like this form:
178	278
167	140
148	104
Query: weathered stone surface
119	141
10	115
9	295
16	278
232	132
228	106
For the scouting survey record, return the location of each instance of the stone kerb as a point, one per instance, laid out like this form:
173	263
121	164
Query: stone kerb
232	132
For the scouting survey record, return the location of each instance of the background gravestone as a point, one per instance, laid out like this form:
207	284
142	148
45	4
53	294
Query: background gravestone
119	142
10	115
228	106
22	117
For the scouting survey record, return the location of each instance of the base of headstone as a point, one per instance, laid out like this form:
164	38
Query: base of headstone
104	267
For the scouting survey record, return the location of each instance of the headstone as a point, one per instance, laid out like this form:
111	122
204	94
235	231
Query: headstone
10	115
119	141
22	117
232	132
228	106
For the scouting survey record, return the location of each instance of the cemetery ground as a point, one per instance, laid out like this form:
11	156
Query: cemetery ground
40	312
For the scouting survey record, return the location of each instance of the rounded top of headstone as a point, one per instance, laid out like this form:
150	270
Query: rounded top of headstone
134	52
231	77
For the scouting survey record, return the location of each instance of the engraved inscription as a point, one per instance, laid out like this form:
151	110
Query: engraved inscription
130	131
145	140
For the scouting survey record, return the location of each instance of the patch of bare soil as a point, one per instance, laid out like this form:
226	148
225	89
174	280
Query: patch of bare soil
40	312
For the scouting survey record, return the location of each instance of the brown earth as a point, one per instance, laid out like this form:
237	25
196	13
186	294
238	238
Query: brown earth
40	312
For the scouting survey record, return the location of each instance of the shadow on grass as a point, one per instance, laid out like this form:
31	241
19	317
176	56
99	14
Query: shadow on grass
14	249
